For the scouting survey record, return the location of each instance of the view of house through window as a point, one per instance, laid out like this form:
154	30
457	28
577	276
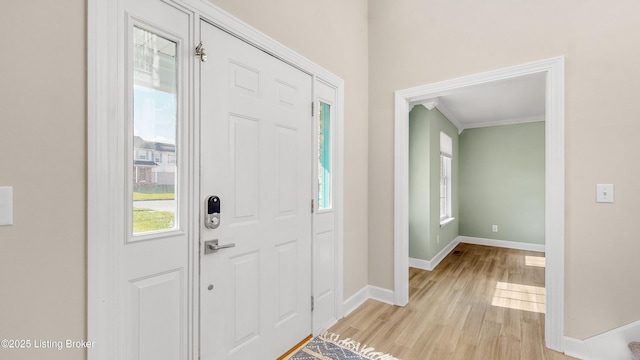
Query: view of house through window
324	157
154	132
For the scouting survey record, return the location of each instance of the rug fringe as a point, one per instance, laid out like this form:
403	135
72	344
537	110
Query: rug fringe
354	346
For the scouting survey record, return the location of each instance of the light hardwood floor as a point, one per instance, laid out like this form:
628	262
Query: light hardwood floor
450	313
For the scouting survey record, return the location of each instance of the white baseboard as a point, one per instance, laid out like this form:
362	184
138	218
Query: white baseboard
575	348
431	264
421	264
383	295
501	243
355	300
364	294
612	345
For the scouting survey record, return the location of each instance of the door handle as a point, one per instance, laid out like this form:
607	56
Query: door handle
212	246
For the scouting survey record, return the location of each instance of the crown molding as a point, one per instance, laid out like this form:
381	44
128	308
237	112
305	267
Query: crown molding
514	121
449	115
432	103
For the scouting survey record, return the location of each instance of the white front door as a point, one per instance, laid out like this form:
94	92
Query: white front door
256	157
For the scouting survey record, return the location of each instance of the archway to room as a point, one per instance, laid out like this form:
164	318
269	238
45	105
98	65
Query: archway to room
551	71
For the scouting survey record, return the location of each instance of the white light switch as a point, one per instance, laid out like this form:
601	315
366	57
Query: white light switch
604	193
6	205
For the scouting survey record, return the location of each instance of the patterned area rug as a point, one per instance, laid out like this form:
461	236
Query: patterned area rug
328	346
635	349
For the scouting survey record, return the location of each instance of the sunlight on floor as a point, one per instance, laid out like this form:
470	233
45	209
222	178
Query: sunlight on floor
519	297
538	261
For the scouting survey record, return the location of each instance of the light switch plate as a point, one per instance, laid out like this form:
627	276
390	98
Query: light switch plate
6	205
604	193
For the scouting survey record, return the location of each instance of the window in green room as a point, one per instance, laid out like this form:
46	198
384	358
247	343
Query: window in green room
446	155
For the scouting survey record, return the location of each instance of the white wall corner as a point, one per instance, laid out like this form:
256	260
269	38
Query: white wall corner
611	345
383	295
575	348
368	292
355	300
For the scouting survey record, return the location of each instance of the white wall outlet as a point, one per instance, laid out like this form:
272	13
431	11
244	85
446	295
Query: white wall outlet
494	228
438	239
6	205
604	193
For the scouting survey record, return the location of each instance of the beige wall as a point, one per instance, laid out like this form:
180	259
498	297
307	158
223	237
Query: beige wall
42	147
333	34
43	117
418	42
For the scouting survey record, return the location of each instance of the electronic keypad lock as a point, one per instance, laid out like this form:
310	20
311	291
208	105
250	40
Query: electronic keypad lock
212	219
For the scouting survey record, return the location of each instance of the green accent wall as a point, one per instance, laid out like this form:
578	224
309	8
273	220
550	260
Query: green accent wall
502	180
426	237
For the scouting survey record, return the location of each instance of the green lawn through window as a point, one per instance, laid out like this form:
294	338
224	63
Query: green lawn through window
153	196
145	220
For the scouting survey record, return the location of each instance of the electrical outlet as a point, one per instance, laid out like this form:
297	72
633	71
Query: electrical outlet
438	239
494	228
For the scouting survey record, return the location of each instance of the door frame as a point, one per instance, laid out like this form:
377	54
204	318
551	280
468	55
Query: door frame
105	181
553	68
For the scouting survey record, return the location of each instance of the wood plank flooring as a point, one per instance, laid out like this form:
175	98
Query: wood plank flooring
450	313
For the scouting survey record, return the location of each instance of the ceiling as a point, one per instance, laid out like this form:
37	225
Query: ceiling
510	101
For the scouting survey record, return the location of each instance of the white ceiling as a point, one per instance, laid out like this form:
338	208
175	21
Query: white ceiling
509	101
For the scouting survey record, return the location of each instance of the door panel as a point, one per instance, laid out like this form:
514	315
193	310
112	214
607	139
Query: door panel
246	298
154	266
256	144
285	171
325	262
155	304
286	286
245	155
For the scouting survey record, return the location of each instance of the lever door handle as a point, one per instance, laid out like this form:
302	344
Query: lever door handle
212	246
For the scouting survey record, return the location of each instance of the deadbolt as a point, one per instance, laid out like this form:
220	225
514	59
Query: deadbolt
212	218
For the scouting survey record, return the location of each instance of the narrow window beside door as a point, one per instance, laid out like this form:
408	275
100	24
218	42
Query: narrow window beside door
324	157
154	132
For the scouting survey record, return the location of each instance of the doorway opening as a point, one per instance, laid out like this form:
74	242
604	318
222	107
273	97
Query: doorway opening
553	70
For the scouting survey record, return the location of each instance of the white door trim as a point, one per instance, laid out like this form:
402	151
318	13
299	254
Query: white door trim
105	212
554	181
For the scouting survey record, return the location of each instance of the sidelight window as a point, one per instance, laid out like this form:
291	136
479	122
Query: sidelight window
324	157
154	132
